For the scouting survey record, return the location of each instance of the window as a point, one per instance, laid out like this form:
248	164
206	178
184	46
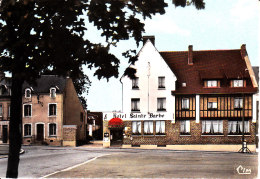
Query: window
212	127
9	110
135	104
27	130
1	110
135	84
161	82
185	103
161	104
238	83
212	83
52	129
235	127
212	105
183	84
52	109
28	93
160	127
238	103
148	127
185	127
136	127
27	110
53	92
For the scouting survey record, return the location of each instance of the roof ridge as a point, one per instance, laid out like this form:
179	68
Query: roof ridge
202	50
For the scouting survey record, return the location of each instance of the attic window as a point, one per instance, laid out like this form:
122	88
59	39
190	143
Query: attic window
53	92
183	84
28	93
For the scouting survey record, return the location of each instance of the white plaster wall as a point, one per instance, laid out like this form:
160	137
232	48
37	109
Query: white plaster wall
148	83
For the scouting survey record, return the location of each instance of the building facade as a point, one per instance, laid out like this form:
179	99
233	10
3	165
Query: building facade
52	113
186	99
5	101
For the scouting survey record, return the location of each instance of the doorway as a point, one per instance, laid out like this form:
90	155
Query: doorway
5	133
40	130
116	137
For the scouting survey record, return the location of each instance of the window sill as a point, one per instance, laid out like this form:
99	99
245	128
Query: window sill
239	109
135	88
160	135
28	136
239	135
211	135
52	116
161	88
53	136
27	116
135	111
212	109
183	135
148	135
136	135
185	109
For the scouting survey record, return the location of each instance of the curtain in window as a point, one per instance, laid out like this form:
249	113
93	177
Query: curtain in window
135	105
53	93
160	127
208	126
136	127
148	127
246	127
234	126
185	103
135	83
161	104
161	82
220	126
215	126
185	126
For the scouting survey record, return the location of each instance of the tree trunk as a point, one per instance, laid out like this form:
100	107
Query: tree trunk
15	127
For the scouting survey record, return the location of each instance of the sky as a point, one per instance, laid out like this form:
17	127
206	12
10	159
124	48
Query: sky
221	25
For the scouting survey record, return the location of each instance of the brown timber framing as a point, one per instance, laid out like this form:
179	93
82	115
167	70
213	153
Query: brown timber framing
185	113
225	106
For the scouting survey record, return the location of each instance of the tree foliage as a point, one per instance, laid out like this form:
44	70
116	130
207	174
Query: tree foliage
37	36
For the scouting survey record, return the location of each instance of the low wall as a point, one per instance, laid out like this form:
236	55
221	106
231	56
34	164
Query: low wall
69	135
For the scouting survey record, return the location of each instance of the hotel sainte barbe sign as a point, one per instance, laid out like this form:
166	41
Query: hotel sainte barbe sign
137	116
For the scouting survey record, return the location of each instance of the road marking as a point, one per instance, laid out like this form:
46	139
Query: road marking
75	166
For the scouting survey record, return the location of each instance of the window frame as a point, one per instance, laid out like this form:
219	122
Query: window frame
163	130
30	110
30	93
137	133
209	83
161	79
204	126
212	107
237	86
2	110
185	132
238	123
49	129
182	104
135	81
55	91
56	110
163	101
150	127
138	104
27	124
239	102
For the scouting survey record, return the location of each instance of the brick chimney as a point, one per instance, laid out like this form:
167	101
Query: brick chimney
243	50
151	38
190	55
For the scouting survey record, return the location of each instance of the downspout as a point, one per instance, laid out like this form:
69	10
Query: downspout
148	74
122	92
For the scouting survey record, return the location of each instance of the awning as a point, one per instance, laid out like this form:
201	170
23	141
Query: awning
115	123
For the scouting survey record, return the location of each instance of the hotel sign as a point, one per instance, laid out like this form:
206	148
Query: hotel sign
138	116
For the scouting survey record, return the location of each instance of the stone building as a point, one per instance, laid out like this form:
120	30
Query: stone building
53	113
5	101
186	99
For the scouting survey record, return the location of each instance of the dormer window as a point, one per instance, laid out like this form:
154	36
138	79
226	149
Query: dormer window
161	82
211	83
53	92
237	83
135	84
28	93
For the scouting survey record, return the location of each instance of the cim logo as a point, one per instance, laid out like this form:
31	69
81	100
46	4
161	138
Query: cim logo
243	171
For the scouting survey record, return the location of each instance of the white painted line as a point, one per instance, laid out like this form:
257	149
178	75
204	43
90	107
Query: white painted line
75	166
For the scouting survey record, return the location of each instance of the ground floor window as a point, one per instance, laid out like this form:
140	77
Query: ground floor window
148	127
52	129
236	127
213	127
136	127
185	127
160	127
27	130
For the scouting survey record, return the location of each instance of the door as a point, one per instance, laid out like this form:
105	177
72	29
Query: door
40	128
116	136
5	133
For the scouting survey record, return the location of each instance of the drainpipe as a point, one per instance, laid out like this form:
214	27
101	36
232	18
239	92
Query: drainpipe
122	92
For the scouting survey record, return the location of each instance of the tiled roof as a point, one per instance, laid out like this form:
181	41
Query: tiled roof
211	64
44	84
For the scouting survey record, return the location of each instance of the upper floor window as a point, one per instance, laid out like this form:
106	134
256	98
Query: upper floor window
135	104
185	103
28	93
53	92
161	104
238	103
237	83
161	82
185	127
212	83
135	83
136	127
27	110
52	109
52	129
212	105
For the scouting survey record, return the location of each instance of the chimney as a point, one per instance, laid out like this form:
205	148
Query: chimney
151	38
190	55
243	50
